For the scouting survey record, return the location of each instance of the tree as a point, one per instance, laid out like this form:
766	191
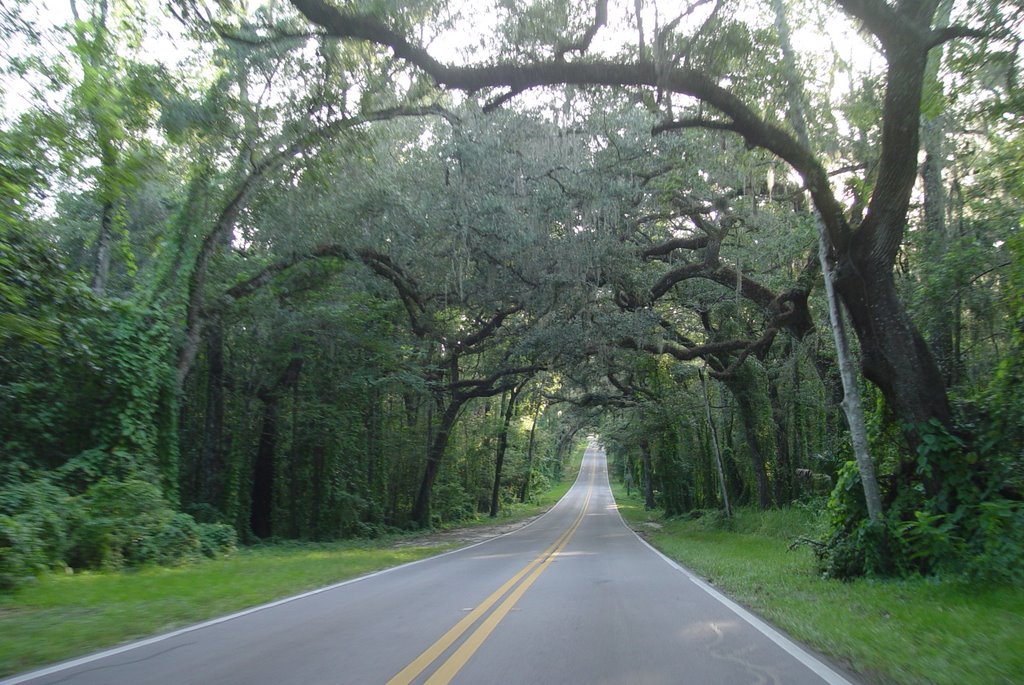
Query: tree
895	356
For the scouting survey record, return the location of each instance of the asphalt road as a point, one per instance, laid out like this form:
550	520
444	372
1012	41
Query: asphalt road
575	597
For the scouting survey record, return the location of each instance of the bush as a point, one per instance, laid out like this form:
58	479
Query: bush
538	483
451	503
43	513
217	539
119	520
21	555
966	527
113	524
999	543
176	542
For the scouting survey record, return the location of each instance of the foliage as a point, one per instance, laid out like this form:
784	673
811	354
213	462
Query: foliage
329	294
79	374
38	517
966	527
129	523
1004	398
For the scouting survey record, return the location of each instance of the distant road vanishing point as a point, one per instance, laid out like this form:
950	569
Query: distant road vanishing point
575	597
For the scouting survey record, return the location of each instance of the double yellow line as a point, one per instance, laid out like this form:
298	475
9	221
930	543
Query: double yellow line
447	670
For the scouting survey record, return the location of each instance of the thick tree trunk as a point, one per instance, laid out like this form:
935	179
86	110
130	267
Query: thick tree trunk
894	356
261	512
435	455
852	407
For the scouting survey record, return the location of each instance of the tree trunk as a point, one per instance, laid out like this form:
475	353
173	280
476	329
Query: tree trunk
260	518
713	432
435	455
211	485
564	442
645	455
851	392
936	235
261	512
784	473
374	439
295	484
525	490
743	391
894	356
757	454
499	457
104	245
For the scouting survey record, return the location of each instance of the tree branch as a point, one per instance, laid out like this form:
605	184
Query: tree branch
695	122
669	246
949	33
583	44
685	353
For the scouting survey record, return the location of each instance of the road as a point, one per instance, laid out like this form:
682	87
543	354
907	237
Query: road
575	597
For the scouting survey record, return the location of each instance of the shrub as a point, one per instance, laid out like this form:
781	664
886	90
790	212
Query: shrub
965	527
539	482
119	519
21	555
452	503
217	539
43	513
176	542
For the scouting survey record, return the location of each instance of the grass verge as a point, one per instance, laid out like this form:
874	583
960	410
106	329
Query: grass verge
59	616
62	616
913	631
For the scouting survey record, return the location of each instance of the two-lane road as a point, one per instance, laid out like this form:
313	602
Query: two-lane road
575	597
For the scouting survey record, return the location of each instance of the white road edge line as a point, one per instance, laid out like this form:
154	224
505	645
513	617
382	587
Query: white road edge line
796	651
145	642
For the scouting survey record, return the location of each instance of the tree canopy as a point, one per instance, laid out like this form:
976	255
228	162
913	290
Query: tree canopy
325	269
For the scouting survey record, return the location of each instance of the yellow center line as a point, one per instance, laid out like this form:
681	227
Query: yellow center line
420	663
444	674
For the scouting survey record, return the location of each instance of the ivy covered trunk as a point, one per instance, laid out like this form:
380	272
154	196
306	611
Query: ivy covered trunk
212	466
751	405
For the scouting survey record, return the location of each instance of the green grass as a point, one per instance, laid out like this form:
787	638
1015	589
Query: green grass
60	616
908	631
